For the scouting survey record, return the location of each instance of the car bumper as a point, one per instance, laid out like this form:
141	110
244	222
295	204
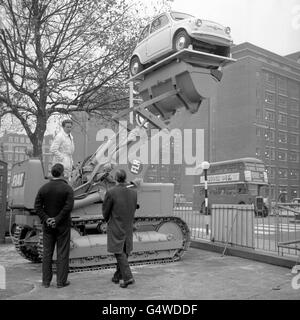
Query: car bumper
212	39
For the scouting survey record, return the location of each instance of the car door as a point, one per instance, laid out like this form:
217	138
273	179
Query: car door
159	40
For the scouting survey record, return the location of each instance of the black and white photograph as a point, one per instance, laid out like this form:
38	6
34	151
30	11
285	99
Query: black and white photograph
149	154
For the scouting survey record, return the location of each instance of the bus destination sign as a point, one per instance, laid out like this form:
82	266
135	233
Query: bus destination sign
226	177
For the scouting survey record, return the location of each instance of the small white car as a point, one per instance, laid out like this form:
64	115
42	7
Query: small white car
174	31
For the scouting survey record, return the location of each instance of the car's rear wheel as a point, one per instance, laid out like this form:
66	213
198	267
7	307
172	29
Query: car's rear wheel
135	66
181	40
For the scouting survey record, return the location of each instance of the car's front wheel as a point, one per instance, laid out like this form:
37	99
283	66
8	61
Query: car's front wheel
181	40
135	66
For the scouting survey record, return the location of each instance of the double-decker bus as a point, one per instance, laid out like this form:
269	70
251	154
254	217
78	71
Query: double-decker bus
238	181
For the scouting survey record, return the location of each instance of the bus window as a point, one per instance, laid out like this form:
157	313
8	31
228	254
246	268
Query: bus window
221	191
263	191
242	189
212	190
231	190
253	189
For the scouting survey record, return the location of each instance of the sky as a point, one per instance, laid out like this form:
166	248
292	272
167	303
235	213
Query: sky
270	24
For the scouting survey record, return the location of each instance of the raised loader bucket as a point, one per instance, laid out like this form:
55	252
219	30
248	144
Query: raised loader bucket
185	78
192	83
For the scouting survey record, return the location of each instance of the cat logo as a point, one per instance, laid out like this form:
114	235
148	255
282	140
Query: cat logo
18	180
135	167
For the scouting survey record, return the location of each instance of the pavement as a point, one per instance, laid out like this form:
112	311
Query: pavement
199	275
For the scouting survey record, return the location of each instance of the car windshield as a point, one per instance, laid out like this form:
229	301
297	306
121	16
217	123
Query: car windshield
144	33
180	16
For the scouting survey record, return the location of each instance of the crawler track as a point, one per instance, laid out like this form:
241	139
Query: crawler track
28	243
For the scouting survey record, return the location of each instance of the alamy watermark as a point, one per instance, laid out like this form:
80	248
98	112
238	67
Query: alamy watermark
296	17
152	146
2	278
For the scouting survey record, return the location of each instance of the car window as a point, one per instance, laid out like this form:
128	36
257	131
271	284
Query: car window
144	33
180	16
159	23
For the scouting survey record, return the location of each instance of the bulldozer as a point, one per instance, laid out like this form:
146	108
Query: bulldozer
176	85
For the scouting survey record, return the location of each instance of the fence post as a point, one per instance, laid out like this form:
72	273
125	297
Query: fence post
205	166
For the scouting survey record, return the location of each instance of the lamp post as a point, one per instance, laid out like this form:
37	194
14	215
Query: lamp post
205	166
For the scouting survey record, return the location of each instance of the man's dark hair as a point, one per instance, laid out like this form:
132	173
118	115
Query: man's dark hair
120	175
66	121
57	170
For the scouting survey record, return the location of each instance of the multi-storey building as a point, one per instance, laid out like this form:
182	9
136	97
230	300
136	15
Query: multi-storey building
15	147
256	113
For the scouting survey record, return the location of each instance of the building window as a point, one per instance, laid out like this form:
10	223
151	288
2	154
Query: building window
9	157
27	140
21	157
269	135
269	115
282	137
269	97
294	192
282	155
16	157
258	114
282	119
282	84
258	132
271	172
16	139
10	139
282	101
22	139
270	78
294	105
282	190
294	122
294	174
270	154
293	156
293	88
282	173
294	139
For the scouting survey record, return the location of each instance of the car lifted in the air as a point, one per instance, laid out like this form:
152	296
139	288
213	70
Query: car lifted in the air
174	31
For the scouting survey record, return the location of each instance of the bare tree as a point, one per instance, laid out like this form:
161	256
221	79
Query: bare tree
61	56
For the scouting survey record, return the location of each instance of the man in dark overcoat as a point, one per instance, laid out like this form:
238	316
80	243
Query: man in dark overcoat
119	207
53	204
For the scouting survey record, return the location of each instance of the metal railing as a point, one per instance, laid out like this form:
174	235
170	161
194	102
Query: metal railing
238	225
